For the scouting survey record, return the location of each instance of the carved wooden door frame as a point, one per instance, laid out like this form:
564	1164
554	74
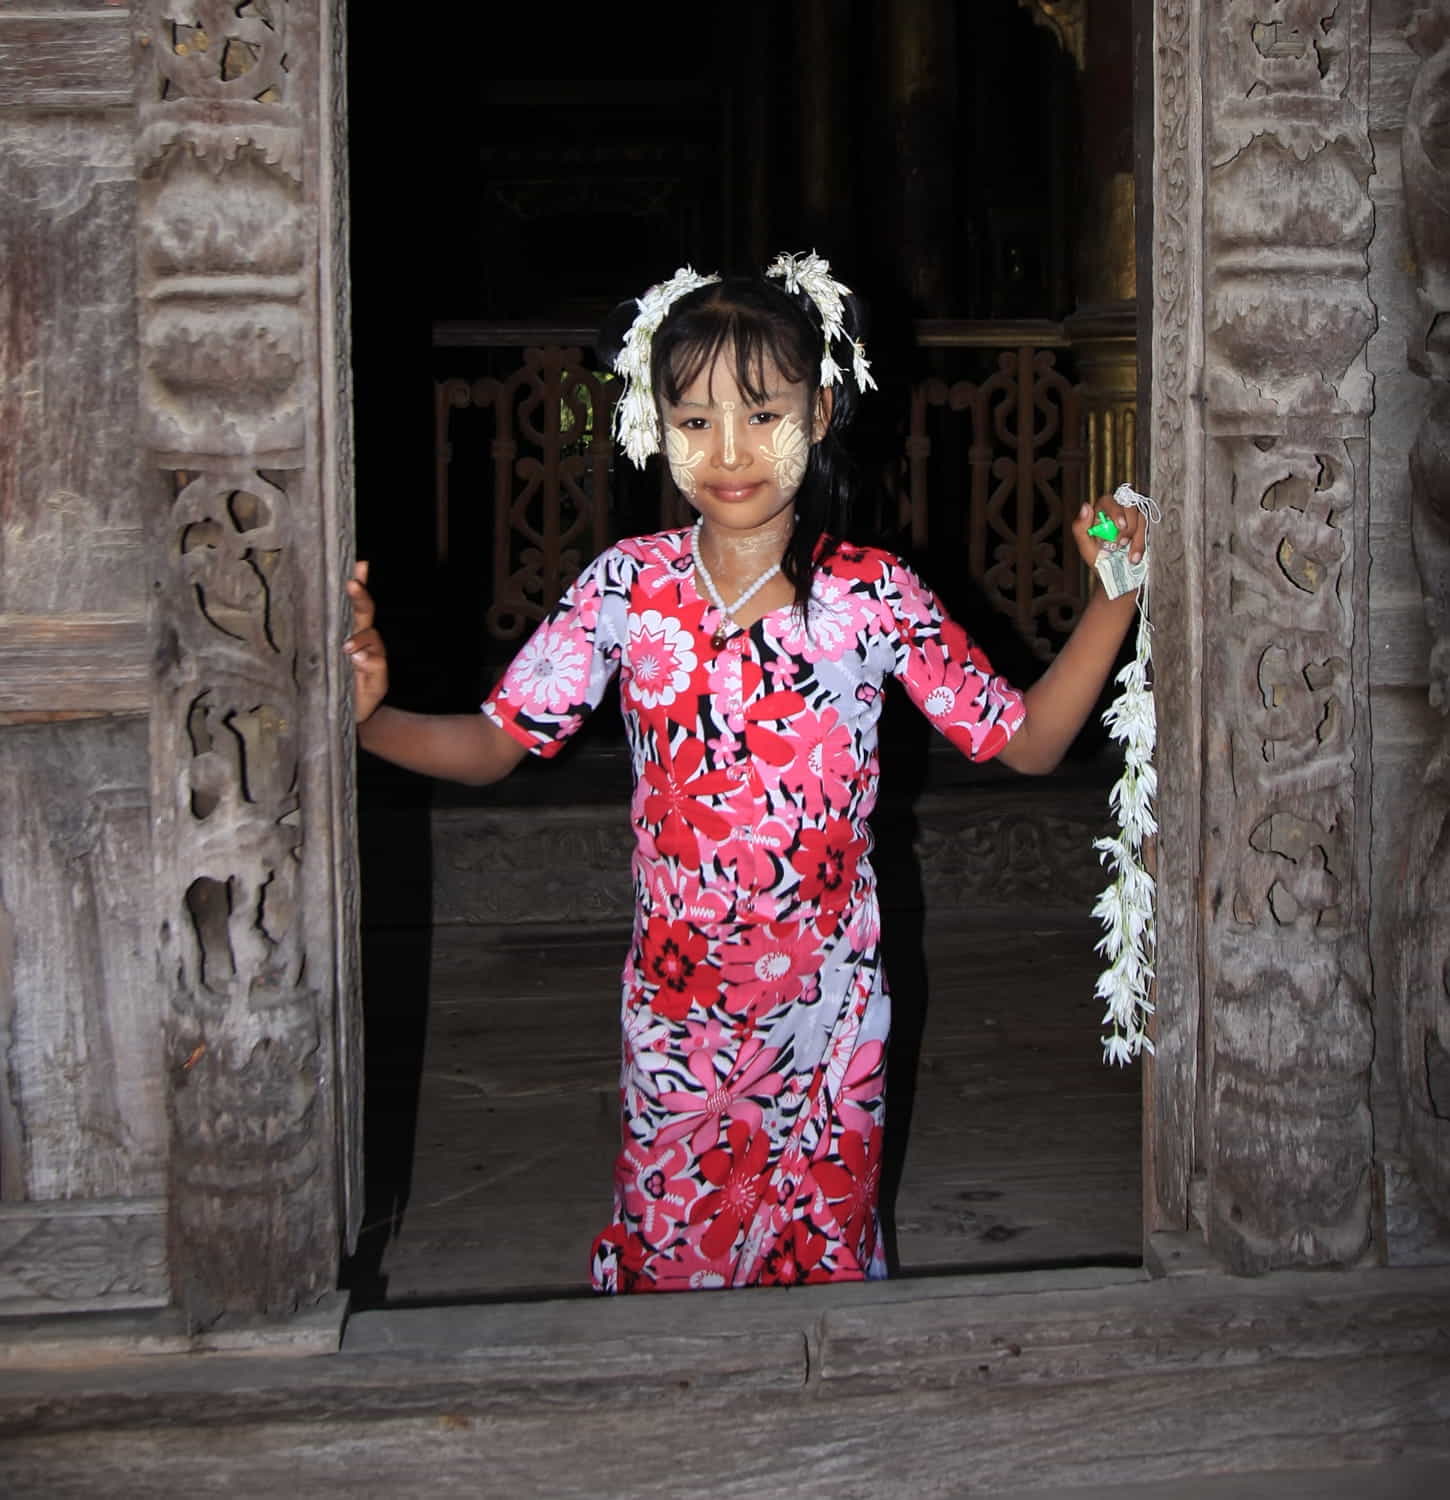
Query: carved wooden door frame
245	424
1257	1118
1259	415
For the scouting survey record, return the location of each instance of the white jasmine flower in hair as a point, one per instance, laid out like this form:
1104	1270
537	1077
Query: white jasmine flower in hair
861	367
811	274
636	416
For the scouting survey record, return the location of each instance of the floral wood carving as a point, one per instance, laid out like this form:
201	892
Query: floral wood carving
227	278
1287	317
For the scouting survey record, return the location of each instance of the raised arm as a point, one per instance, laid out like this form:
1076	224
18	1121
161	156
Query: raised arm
1059	702
454	747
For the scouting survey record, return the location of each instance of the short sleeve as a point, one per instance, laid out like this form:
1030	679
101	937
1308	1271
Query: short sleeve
560	675
945	673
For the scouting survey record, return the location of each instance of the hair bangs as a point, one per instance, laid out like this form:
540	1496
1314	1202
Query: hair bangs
758	341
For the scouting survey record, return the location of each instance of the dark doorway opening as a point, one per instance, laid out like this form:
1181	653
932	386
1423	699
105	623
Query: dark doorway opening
546	176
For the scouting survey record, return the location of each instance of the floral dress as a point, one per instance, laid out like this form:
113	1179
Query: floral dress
755	1012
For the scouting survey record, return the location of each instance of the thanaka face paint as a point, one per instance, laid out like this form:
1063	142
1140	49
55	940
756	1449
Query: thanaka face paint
727	419
736	460
682	461
787	453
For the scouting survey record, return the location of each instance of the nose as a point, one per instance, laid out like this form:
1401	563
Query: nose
728	458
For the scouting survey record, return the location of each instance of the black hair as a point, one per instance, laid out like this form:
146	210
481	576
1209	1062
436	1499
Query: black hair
762	324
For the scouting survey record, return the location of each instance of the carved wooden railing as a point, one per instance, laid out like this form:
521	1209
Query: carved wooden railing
992	464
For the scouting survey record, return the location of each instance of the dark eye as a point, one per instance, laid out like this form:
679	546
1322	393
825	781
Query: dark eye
760	418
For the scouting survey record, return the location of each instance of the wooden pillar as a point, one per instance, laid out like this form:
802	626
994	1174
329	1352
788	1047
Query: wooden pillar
1261	580
244	419
825	127
1422	937
920	96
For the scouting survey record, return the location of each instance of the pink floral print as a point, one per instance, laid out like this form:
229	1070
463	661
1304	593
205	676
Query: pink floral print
754	1010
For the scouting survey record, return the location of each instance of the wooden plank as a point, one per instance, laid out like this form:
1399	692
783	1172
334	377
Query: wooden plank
339	932
66	60
1051	1337
1172	1076
1085	1383
117	1335
74	662
925	1448
99	1254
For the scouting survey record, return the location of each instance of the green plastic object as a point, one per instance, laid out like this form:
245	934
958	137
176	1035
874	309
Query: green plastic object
1104	528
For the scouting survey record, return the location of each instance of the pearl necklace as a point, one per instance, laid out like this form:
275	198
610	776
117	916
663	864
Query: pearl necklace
728	610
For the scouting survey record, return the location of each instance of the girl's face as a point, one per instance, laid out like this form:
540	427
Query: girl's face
739	462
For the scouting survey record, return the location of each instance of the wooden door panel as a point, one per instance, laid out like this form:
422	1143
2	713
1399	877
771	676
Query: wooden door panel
83	1080
83	1154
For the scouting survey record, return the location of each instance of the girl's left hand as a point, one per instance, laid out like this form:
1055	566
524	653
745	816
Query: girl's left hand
1130	521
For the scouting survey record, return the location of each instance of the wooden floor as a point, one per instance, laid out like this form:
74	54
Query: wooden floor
1014	1146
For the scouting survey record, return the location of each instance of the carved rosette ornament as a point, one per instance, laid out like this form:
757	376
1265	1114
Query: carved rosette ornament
1425	961
1287	316
233	402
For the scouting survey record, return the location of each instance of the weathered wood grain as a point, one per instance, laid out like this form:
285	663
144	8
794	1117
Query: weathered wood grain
74	662
1284	860
73	59
82	1078
1172	1076
94	1254
1422	1022
856	1390
240	208
70	502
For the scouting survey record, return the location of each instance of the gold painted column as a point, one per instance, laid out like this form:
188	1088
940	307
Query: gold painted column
1103	328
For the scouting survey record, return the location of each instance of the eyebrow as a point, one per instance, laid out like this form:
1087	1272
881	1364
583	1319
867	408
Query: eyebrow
770	396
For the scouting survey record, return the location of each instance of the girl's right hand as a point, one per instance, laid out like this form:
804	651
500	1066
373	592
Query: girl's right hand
364	648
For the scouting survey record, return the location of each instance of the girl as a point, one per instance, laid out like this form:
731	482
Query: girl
751	649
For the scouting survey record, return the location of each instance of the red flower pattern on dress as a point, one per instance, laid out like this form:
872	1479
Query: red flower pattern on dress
655	1189
739	1177
861	1087
675	803
795	1259
826	859
823	765
754	1009
674	960
852	1181
697	1114
662	658
767	743
766	966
